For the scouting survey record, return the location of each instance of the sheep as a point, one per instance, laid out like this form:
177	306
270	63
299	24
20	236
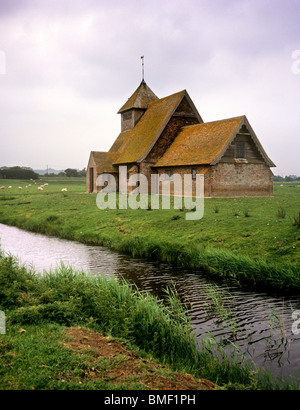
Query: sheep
20	187
2	187
64	190
40	188
10	187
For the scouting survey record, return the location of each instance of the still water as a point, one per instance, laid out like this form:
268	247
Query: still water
258	323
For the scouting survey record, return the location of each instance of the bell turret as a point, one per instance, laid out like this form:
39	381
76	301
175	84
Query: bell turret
135	106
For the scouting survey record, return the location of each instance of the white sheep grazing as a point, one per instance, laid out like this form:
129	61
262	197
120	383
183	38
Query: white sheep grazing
10	187
40	188
64	190
20	187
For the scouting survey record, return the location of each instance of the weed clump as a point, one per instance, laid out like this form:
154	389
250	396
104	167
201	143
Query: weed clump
246	213
52	218
216	209
296	220
281	213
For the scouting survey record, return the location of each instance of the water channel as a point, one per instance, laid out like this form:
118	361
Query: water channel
263	320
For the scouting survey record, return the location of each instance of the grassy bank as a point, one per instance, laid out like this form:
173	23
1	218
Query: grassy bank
41	312
251	240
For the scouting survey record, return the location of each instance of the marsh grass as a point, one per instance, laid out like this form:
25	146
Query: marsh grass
65	297
219	304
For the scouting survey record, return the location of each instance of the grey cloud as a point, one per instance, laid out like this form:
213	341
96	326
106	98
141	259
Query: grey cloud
232	57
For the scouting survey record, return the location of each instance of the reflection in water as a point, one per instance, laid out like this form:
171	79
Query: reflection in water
260	324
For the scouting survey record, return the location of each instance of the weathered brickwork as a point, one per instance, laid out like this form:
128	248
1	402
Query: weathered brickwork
227	180
182	171
239	180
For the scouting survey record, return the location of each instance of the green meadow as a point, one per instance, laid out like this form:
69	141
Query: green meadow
250	240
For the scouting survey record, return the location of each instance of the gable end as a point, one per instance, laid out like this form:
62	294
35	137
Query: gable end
245	130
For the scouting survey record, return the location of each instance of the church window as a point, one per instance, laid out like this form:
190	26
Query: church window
240	149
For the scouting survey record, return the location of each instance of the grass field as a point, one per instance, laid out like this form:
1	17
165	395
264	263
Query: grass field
255	240
251	239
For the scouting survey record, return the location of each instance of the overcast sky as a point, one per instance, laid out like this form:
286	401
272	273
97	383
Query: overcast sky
66	67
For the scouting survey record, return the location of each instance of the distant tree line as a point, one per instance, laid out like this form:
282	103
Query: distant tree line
69	172
289	178
18	173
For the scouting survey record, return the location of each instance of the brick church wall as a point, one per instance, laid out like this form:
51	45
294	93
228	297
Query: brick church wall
225	179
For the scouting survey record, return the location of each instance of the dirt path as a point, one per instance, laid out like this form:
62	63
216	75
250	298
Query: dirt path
120	365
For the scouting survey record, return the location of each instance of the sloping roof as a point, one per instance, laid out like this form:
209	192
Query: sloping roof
104	161
141	98
121	142
206	143
146	132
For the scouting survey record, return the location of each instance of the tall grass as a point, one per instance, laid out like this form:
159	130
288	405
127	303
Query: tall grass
162	329
222	263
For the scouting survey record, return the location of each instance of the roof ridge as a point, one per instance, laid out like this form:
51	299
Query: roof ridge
211	122
168	96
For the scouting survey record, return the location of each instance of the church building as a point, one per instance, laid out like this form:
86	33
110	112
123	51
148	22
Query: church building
167	136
